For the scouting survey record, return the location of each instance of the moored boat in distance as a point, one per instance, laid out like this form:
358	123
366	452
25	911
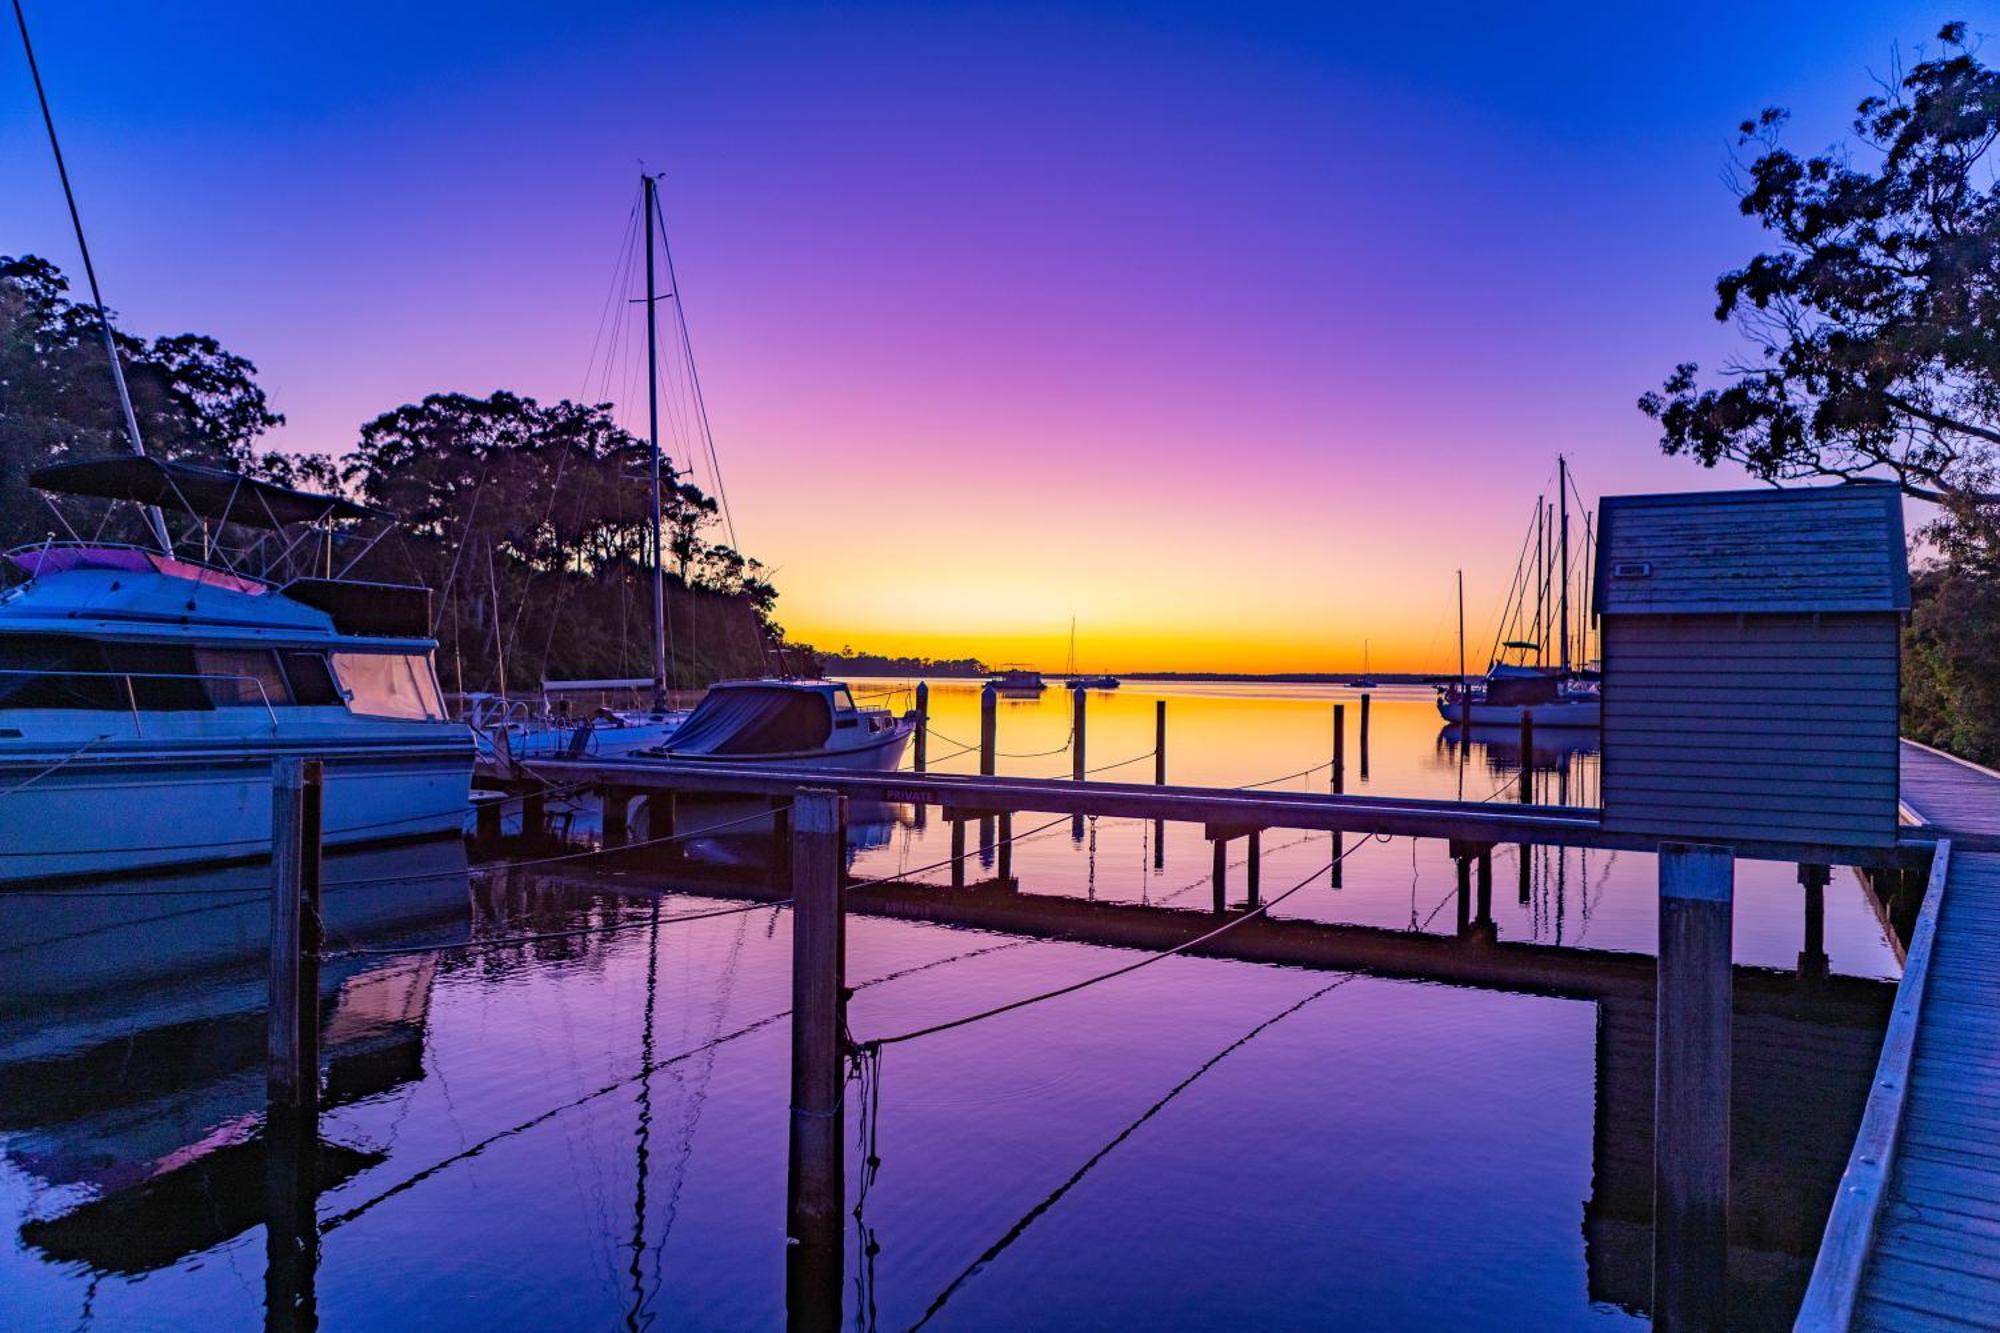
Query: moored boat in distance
1017	680
1549	696
1093	682
144	694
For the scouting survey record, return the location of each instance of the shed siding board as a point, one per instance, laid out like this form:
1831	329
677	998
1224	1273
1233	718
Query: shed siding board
1762	726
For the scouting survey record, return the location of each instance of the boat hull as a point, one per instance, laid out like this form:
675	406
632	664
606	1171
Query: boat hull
1562	713
112	811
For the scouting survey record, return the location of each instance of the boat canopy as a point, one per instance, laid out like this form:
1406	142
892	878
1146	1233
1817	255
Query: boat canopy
210	493
755	719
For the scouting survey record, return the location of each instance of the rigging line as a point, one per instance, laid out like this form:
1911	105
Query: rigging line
1520	564
340	1219
1250	915
1055	1196
30	781
694	376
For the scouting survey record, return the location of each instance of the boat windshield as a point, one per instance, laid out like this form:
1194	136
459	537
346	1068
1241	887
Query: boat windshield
389	685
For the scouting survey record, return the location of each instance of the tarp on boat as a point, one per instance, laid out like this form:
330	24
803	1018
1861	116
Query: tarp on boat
755	720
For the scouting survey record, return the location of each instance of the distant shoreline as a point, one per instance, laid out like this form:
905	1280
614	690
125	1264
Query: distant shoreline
1198	677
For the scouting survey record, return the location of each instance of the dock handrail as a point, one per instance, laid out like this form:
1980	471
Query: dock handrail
131	696
1835	1286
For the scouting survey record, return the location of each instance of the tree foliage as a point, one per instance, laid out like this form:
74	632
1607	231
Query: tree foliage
530	522
1874	332
1875	319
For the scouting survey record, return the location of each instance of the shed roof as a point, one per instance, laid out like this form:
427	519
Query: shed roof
1824	548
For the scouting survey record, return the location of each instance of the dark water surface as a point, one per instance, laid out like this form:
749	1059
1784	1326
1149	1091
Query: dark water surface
1202	1143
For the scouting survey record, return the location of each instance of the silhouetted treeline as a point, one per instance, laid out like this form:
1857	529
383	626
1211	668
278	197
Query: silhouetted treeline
530	522
850	662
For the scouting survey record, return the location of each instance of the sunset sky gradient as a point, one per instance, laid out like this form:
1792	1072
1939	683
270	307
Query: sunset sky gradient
1230	331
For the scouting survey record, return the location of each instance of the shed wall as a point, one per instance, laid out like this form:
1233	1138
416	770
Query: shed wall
1779	727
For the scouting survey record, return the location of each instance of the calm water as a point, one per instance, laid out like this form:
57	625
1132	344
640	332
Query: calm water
1202	1143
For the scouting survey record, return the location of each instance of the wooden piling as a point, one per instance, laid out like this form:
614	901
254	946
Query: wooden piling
486	818
1691	1089
1005	870
292	1046
923	732
1813	965
1159	779
989	703
1364	736
1220	848
617	802
1077	733
781	837
534	815
957	851
1254	872
1527	757
1462	864
816	1186
1337	782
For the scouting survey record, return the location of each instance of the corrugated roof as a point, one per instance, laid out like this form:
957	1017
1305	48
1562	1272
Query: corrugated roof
1825	548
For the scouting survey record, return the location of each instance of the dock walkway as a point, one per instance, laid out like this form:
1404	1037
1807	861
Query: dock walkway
1923	1251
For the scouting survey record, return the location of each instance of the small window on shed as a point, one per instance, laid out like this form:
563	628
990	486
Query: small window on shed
242	677
312	682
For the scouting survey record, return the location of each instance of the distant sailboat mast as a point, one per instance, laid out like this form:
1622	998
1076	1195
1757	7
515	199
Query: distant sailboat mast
1562	498
154	518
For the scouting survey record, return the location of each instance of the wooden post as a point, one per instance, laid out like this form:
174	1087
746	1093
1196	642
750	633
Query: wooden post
534	815
816	1185
957	850
1077	733
1005	871
1526	859
1482	912
292	1048
1221	873
291	1123
781	837
1462	863
989	700
616	802
1159	779
1813	965
486	819
923	734
663	820
1527	757
1338	783
1691	1089
1254	872
1364	736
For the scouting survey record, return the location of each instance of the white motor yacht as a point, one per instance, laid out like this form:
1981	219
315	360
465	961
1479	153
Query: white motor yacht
144	694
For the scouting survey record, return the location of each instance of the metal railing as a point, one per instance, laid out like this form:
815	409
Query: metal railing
132	695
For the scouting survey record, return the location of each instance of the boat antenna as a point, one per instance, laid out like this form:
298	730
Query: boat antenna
651	191
1562	497
154	518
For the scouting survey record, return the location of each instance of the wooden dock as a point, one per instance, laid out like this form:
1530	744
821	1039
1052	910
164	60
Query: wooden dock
1914	1239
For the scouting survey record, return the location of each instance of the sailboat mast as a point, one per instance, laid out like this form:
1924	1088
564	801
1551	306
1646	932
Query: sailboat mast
154	519
1562	499
652	203
1541	580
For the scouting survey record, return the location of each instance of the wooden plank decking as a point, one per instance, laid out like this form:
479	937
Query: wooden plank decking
1922	1251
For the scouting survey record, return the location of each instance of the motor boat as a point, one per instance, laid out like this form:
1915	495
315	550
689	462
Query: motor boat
807	723
1018	680
145	691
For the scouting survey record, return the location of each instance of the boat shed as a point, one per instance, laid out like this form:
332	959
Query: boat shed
1751	656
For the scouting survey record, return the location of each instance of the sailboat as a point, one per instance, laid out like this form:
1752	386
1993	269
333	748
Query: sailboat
1565	693
1366	680
1080	682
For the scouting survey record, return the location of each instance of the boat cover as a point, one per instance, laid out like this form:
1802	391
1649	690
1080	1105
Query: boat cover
49	559
212	493
755	721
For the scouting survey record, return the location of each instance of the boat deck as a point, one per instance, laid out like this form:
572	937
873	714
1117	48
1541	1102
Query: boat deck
1929	1258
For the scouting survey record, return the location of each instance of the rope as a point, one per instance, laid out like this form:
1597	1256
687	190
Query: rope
28	782
877	1043
939	865
1010	754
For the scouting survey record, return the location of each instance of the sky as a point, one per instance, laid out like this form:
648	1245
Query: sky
1230	332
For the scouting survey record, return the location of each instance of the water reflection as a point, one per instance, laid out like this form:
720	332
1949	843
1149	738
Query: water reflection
1435	1109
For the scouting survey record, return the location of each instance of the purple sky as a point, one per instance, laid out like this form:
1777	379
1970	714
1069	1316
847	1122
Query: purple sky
1229	331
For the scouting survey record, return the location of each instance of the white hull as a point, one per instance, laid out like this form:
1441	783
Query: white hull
1564	713
137	806
881	753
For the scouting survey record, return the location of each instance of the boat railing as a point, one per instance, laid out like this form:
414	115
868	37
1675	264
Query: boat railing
132	695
